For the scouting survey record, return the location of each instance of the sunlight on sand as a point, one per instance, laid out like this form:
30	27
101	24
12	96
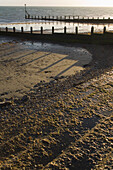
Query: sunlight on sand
23	66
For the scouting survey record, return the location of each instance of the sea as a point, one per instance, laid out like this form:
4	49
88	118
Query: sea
15	17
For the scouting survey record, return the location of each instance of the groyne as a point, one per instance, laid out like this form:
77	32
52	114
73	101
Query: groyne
74	19
65	37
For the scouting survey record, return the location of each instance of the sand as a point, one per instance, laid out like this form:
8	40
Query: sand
63	124
24	65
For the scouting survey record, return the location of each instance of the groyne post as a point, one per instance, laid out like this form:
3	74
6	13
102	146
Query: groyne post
41	30
64	30
6	29
28	16
31	30
52	30
22	29
13	29
76	30
104	30
92	30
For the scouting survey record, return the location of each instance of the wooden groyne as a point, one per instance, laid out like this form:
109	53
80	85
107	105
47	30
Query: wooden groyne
89	38
70	19
74	19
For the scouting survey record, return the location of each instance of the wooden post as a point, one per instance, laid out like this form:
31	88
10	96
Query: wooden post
65	17
41	30
76	30
45	17
52	30
31	30
104	30
6	29
13	29
78	17
92	30
69	17
64	30
22	30
38	17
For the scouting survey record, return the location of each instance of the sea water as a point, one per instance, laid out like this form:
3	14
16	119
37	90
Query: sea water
15	17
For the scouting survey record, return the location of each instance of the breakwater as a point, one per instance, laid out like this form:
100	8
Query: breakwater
65	37
73	19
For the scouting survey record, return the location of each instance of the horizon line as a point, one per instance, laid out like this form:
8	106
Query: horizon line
54	6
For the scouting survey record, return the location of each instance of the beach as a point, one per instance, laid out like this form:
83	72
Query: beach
22	66
56	106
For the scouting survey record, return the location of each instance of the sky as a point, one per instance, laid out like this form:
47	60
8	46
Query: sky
101	3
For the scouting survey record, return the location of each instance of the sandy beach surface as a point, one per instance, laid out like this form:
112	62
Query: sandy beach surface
59	115
23	65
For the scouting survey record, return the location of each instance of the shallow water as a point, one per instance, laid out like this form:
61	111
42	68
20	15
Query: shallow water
14	17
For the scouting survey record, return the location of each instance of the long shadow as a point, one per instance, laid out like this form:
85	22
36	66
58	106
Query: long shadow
4	49
62	72
24	55
102	58
36	59
54	63
11	53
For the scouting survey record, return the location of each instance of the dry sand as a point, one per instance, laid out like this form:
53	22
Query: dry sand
66	124
22	66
